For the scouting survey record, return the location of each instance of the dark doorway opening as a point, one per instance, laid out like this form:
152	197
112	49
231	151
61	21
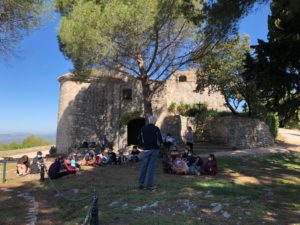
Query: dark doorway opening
133	130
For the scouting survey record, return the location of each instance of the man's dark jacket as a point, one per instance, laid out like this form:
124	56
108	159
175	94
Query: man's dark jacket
150	137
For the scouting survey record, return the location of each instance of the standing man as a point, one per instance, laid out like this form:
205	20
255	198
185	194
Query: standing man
190	139
151	139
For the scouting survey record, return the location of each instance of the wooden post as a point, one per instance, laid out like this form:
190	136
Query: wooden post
42	173
94	213
4	171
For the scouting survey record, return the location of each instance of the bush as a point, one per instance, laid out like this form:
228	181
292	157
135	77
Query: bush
28	142
272	121
172	107
182	108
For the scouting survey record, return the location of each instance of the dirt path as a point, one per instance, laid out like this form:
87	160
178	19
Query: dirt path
291	137
31	152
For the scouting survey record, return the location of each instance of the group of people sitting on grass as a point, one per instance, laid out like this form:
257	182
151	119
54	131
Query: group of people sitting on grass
107	156
61	166
101	153
186	162
24	166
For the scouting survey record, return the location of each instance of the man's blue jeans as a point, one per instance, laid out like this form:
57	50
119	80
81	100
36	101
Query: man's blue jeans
149	159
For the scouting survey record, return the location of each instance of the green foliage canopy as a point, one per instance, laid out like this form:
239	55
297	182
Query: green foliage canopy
148	39
221	71
16	18
275	65
133	37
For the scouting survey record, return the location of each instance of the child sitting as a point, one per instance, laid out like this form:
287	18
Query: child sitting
113	159
195	165
211	166
180	166
55	170
89	158
187	154
70	165
103	158
37	163
134	156
23	165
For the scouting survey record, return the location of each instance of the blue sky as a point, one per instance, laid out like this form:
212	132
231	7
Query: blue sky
29	89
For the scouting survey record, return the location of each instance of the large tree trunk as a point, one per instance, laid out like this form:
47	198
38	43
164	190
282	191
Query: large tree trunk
146	97
229	106
147	94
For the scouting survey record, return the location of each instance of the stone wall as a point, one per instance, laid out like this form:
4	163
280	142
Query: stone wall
92	107
234	132
177	91
237	132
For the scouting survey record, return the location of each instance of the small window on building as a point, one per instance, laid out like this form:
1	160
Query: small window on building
182	78
127	94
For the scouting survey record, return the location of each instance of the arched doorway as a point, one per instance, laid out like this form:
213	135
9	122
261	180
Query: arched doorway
133	130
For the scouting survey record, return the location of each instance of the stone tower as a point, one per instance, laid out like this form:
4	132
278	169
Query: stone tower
92	107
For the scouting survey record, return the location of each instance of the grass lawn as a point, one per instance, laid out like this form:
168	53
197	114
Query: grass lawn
248	190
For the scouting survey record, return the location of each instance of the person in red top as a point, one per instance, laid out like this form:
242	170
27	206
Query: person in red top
211	166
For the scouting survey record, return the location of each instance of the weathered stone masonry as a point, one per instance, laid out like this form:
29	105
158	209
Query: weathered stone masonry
92	107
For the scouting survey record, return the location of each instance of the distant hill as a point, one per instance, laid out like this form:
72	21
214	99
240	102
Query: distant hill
19	137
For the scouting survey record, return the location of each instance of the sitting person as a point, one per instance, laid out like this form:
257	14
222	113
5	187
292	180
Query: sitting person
23	165
211	166
37	163
71	169
186	154
73	160
55	171
169	141
177	164
113	159
180	166
134	155
174	153
195	165
122	156
89	158
102	158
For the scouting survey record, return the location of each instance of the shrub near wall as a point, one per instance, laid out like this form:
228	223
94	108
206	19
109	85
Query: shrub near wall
272	120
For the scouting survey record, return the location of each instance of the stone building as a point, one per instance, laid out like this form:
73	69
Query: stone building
96	106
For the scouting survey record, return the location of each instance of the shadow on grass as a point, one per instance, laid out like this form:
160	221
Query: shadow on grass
250	190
